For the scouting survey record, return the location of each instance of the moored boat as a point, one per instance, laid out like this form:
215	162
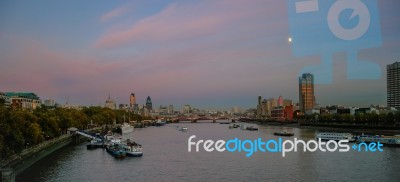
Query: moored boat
385	140
159	122
126	128
336	136
283	134
95	143
252	128
132	149
234	126
116	150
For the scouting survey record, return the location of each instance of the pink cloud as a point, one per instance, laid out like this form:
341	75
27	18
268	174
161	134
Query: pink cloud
191	20
194	50
33	66
114	13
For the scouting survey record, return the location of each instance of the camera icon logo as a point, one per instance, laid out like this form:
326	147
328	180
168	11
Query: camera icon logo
324	27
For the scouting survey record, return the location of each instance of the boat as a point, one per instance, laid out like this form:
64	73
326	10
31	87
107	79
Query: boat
184	129
283	134
336	136
112	140
234	126
132	149
252	128
159	122
386	140
116	150
225	123
126	128
95	143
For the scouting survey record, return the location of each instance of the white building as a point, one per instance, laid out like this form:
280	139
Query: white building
25	100
110	103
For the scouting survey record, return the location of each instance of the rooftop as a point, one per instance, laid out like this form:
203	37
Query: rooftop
29	95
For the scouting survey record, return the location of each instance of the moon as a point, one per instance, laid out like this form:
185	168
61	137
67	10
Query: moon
290	39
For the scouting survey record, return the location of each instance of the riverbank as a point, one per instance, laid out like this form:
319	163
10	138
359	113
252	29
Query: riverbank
14	165
17	163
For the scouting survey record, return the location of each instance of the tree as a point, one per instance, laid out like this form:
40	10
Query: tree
390	118
346	118
326	117
382	117
35	135
359	118
397	117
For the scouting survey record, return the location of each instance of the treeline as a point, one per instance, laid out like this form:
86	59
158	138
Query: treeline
20	129
358	118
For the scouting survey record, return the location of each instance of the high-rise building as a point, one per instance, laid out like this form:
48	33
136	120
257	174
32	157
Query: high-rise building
393	85
187	109
306	92
170	109
149	105
259	107
132	101
280	101
266	107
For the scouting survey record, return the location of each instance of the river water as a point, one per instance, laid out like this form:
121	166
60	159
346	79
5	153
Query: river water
166	158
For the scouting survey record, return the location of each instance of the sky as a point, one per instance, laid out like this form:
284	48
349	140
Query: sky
209	54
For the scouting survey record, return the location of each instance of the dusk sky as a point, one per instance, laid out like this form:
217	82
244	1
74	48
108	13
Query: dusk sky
209	54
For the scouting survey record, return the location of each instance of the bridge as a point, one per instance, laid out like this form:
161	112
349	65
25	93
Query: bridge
196	119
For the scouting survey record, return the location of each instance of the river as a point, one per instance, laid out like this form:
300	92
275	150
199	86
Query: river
166	158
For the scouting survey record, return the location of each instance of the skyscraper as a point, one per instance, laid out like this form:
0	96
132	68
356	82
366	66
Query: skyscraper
306	92
132	100
393	85
149	105
259	107
280	101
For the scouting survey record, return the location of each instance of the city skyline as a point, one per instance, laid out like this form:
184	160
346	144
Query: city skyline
210	54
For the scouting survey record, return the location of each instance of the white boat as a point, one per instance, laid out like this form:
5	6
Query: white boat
126	128
95	143
132	149
387	140
336	136
184	129
159	122
112	140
